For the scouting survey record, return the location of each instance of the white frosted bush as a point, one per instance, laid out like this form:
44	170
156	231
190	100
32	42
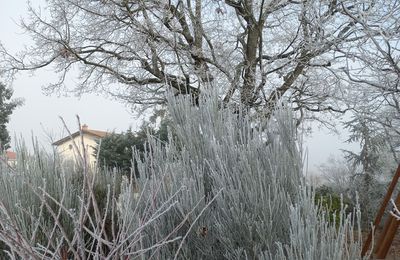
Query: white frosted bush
50	210
262	208
227	186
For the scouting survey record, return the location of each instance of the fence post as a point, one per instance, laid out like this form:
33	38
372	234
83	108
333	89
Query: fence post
379	216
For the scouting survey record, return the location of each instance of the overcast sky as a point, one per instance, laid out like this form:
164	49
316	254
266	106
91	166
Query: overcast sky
40	113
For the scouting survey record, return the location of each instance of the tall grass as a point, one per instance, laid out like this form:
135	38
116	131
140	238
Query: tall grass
227	186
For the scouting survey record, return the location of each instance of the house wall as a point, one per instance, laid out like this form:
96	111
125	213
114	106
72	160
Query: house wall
12	162
68	150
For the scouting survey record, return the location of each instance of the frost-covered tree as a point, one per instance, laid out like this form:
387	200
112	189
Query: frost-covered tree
253	51
338	174
372	164
374	70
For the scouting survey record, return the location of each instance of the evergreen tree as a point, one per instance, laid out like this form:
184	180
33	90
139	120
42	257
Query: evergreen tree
6	108
368	159
116	150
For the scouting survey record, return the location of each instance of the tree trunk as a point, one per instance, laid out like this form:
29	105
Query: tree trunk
249	81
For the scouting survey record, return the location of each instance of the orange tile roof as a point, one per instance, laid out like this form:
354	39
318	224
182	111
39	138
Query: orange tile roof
11	155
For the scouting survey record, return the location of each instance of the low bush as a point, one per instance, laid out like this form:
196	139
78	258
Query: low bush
231	189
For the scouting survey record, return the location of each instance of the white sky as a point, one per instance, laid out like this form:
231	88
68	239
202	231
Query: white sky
40	113
39	116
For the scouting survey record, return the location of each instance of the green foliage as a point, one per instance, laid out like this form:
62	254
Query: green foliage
332	203
117	149
6	108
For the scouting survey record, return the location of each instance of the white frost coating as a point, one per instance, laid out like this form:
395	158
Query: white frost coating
217	191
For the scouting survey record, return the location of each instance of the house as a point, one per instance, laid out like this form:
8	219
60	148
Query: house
11	158
8	158
71	147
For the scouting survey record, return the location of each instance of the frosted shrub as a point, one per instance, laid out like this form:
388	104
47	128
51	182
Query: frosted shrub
227	186
244	196
50	210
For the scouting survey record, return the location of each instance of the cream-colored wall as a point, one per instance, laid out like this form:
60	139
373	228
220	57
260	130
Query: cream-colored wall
69	151
12	163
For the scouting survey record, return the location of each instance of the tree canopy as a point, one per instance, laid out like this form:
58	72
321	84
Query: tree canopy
318	55
6	108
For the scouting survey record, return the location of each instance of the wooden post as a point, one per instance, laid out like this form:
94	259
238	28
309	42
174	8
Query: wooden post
386	238
381	211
